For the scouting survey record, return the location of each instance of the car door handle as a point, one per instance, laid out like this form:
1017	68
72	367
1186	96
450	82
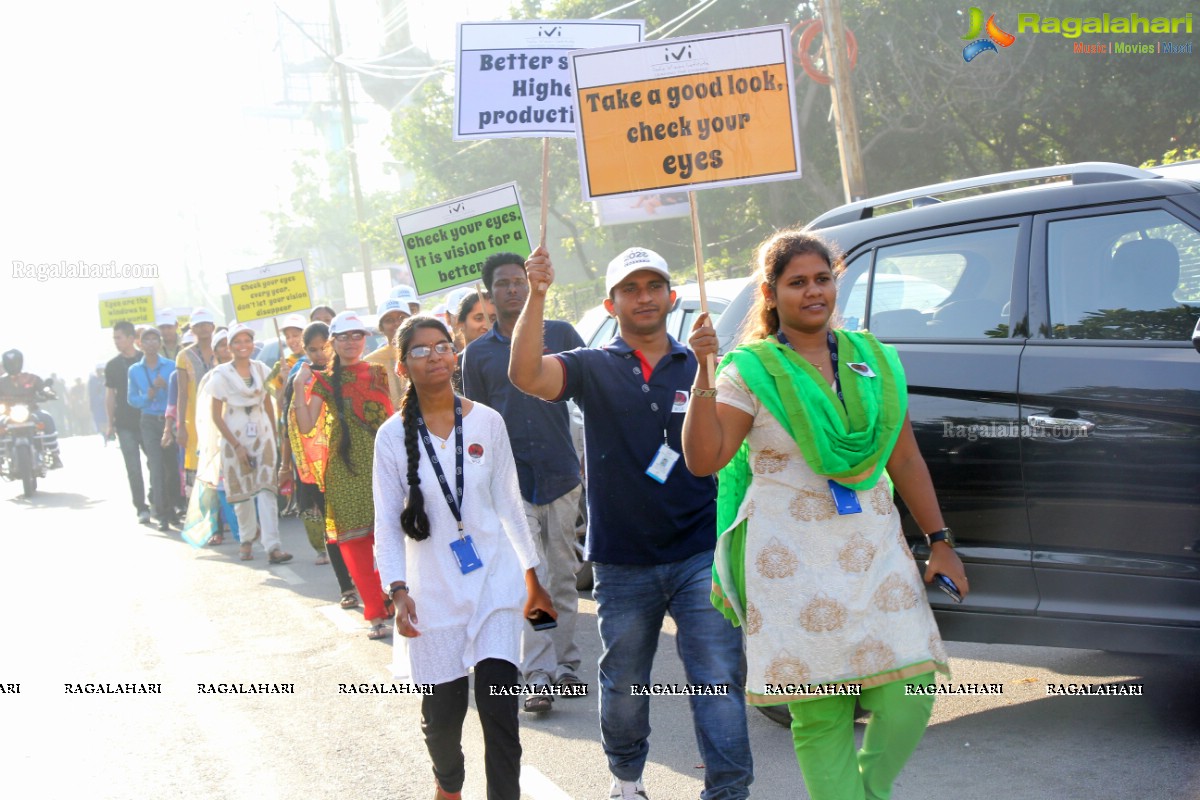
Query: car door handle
1061	427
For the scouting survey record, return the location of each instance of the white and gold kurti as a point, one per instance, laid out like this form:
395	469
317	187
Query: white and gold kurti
829	598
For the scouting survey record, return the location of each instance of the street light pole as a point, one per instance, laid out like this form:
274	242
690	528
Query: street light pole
348	135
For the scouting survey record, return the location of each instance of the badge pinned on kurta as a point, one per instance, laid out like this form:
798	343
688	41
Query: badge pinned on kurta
681	402
475	453
861	368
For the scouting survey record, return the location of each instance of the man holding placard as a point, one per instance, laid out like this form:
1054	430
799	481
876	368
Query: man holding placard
651	523
547	469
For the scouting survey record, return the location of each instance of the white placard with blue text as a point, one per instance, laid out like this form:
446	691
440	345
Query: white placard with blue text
512	77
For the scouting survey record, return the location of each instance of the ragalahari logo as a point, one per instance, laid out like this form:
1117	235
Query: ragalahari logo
995	36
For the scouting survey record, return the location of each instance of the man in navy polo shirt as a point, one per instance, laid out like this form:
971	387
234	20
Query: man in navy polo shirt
547	469
651	523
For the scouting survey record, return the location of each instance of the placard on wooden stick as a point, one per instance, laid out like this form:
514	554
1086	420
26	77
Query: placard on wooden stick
690	113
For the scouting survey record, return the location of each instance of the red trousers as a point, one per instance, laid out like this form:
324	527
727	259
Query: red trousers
359	555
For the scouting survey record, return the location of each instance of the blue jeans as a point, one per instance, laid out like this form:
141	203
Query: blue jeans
631	602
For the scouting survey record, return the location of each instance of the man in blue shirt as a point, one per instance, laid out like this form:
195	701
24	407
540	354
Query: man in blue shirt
651	523
147	392
547	469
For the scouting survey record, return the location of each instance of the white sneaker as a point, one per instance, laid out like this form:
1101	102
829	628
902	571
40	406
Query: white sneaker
627	790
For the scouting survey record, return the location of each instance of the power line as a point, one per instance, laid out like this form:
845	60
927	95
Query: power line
684	18
618	8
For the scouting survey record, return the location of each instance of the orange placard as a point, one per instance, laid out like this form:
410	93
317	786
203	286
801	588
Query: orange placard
720	113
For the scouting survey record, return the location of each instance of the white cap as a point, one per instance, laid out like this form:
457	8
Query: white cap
293	321
455	298
201	315
390	305
346	322
238	328
406	293
219	336
633	260
164	318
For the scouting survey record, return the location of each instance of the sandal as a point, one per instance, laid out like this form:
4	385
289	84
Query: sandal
215	540
322	559
538	703
246	552
277	556
380	630
349	600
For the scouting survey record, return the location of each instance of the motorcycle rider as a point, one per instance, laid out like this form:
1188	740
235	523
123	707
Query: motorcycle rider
18	386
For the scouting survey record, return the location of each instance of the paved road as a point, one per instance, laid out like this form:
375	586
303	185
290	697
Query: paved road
89	596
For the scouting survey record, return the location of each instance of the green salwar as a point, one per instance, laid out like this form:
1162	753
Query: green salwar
823	735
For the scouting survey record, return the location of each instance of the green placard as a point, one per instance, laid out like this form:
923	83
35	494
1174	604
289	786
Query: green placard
451	252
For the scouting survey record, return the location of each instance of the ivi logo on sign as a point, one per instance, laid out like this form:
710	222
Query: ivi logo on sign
995	36
458	208
676	59
549	32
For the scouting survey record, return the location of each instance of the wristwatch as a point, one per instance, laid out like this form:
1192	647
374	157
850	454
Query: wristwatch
944	535
397	586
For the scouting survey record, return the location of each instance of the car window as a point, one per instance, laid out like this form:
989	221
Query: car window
1132	276
948	287
604	333
680	321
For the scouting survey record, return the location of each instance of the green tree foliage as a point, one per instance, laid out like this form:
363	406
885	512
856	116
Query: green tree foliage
320	224
925	115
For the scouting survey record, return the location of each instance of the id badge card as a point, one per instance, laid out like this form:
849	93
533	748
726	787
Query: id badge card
663	463
464	553
845	500
251	430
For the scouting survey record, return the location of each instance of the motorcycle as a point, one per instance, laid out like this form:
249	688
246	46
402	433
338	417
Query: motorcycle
22	454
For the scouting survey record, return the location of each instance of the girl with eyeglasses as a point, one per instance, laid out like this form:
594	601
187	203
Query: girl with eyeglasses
461	557
351	401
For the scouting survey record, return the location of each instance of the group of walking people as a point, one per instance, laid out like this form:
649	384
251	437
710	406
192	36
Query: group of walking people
789	581
448	491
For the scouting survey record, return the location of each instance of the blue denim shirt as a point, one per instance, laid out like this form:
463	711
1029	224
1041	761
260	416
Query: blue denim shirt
141	378
632	518
540	432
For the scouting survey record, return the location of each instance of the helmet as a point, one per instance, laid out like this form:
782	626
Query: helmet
13	361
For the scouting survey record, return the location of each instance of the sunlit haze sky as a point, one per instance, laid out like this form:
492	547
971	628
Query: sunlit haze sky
132	132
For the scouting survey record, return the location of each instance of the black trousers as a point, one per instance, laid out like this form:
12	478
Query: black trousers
130	440
442	715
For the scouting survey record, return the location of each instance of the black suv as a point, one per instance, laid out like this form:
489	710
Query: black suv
1045	321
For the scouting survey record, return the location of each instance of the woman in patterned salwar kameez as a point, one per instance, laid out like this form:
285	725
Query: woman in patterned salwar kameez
802	422
352	400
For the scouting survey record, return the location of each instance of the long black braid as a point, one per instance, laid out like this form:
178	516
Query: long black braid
335	375
413	518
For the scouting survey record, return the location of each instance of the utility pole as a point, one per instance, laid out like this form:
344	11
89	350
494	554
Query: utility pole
348	135
854	177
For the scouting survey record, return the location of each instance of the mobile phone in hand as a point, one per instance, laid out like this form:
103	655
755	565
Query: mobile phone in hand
947	586
542	621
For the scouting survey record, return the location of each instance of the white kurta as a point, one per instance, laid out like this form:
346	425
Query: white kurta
462	619
829	598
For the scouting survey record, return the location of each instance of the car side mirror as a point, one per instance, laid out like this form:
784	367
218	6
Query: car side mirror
1196	336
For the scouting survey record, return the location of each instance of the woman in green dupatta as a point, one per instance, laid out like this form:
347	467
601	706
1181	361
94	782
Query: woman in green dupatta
802	422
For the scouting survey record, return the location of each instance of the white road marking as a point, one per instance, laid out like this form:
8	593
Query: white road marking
340	619
538	786
287	575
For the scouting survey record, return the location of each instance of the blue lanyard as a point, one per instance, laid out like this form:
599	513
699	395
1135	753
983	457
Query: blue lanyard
832	342
455	507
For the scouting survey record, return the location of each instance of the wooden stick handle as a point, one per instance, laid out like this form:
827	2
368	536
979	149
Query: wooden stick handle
698	247
545	195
